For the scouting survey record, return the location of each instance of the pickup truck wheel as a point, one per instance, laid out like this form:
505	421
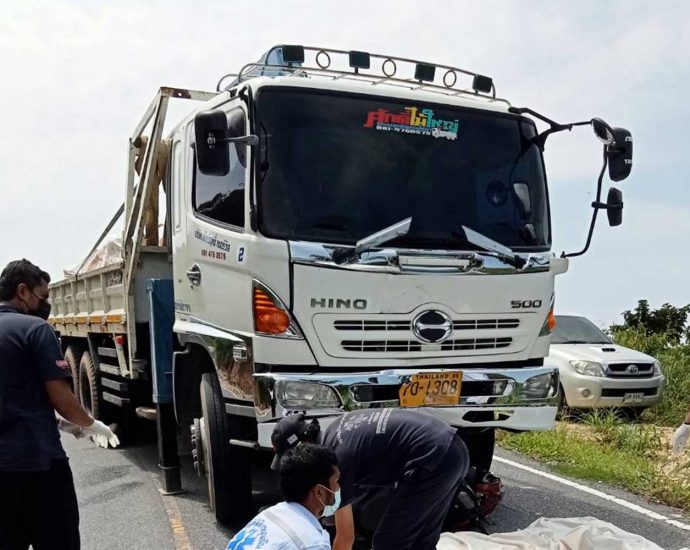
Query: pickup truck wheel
564	411
88	386
227	468
73	356
631	414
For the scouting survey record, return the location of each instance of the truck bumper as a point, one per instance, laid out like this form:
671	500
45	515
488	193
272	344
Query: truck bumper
507	399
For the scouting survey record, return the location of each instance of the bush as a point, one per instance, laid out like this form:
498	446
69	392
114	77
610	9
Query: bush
675	364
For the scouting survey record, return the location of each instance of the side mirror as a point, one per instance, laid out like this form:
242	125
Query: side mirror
614	207
211	147
620	154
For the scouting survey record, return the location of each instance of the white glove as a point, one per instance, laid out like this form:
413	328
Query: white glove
68	427
101	435
680	438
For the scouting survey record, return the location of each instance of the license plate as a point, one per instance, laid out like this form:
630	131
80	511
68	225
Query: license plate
633	397
431	389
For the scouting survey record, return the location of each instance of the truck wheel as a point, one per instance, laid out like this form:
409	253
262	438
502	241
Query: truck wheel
73	356
227	468
88	386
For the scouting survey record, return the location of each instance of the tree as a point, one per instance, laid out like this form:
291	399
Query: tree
667	320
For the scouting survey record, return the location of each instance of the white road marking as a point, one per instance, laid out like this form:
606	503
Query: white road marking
584	488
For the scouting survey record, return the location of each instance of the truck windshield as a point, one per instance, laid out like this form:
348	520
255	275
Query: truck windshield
337	168
577	330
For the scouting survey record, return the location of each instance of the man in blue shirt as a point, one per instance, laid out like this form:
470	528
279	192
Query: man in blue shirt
309	483
38	505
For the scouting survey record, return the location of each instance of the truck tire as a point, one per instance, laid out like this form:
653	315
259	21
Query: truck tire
73	356
228	468
89	395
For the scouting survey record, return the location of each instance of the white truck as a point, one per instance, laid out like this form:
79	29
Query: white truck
344	230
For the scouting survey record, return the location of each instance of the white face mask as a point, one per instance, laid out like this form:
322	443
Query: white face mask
330	509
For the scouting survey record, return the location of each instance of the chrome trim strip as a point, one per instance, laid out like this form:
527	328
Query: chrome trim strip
416	261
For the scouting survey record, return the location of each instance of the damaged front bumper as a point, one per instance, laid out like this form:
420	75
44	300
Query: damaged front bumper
515	399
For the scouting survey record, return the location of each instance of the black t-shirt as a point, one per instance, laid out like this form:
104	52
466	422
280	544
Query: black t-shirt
30	355
378	447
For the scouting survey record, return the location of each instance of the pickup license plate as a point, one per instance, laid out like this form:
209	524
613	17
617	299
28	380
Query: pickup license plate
633	397
431	389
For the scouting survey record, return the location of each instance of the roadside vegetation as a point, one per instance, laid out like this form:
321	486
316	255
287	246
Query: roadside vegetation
601	446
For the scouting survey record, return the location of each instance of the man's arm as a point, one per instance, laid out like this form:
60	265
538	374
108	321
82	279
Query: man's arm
66	404
344	529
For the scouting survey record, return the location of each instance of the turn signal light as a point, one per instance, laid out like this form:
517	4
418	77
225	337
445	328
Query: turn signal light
551	321
268	317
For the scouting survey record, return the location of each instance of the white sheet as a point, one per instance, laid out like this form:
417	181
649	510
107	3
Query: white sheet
551	534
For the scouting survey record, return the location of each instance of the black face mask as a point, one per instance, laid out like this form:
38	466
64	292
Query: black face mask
43	309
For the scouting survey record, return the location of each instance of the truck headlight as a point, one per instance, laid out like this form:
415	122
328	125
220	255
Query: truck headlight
541	386
296	395
657	368
588	368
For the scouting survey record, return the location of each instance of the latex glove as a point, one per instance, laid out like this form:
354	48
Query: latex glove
680	438
101	434
68	427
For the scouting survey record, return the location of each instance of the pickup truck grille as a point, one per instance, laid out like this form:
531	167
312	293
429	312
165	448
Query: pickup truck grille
387	346
630	370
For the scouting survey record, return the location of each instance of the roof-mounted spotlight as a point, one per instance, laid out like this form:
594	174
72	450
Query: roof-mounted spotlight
482	84
293	54
359	60
424	72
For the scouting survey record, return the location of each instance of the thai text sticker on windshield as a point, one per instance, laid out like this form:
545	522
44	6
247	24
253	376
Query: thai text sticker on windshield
413	120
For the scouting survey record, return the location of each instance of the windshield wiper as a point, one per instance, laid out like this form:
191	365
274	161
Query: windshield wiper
502	251
389	233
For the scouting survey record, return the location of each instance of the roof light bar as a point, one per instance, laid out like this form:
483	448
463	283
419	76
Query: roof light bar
284	60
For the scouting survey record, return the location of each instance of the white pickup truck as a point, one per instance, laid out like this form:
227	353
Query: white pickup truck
343	230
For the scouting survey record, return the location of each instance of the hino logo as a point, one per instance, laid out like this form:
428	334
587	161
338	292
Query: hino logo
632	369
432	327
339	303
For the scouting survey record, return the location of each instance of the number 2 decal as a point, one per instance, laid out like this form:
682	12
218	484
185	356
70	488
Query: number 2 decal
240	255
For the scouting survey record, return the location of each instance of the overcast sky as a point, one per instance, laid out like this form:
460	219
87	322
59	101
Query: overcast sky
76	76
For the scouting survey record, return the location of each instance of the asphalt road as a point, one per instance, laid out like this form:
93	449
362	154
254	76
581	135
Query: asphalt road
122	508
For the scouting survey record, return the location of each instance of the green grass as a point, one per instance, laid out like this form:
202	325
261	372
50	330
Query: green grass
603	448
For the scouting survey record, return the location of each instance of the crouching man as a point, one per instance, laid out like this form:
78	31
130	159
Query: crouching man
420	455
309	482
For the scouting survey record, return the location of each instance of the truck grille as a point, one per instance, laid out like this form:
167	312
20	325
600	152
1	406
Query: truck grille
388	325
386	346
630	370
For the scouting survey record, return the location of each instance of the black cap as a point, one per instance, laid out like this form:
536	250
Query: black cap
289	433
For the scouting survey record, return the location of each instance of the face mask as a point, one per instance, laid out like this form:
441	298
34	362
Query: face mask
43	310
330	509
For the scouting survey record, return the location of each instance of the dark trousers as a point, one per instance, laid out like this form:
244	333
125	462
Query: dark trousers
39	509
418	505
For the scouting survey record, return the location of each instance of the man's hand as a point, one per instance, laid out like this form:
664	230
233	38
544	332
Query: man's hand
101	434
680	438
68	427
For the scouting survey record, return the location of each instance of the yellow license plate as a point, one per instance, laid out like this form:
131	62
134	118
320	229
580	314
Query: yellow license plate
431	389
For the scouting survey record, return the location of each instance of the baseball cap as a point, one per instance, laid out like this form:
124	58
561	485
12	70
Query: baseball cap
290	432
